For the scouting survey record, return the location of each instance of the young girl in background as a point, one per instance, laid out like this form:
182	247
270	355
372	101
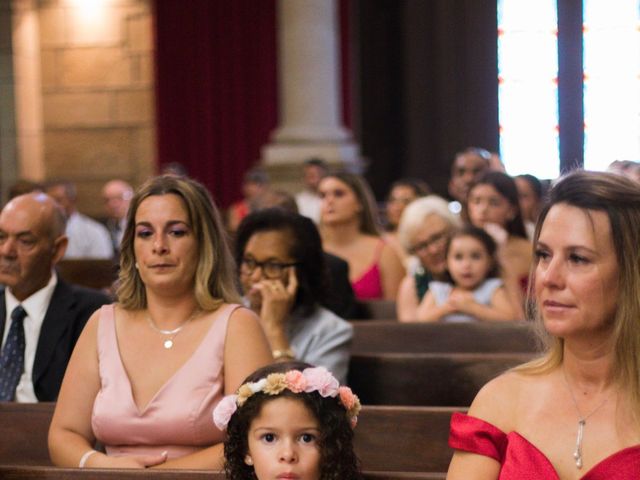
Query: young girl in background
289	420
493	204
475	291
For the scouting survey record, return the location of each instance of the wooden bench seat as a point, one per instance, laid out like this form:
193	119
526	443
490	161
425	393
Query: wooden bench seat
427	379
91	272
51	473
387	439
477	337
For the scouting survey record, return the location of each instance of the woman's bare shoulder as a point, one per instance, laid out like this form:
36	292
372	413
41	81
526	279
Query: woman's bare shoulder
498	401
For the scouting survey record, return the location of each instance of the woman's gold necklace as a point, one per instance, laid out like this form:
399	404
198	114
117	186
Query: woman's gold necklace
582	421
168	343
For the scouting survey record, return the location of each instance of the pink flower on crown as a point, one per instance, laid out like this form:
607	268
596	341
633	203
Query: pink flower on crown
320	379
296	381
224	410
347	398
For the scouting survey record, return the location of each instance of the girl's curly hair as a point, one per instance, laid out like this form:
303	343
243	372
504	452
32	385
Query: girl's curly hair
337	458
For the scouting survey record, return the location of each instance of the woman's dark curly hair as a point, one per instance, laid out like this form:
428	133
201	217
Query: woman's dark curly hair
485	239
338	461
306	250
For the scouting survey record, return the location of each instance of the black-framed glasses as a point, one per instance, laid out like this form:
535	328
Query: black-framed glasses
439	238
270	269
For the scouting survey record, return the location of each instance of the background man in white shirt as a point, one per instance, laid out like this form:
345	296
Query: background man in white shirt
87	237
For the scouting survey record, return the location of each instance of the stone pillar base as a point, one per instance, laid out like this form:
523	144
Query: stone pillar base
284	161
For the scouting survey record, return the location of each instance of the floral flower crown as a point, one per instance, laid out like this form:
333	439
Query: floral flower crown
316	379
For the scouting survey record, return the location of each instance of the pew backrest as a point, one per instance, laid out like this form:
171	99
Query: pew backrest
387	439
426	379
52	473
473	337
92	273
24	428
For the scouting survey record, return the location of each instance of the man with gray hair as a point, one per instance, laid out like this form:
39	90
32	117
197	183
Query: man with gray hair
117	195
41	316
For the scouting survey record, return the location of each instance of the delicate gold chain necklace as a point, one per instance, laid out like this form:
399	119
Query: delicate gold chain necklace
168	343
582	421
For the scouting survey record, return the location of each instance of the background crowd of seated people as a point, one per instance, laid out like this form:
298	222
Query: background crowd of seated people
139	359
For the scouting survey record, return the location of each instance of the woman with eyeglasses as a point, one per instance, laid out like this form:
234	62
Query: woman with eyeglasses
283	278
423	231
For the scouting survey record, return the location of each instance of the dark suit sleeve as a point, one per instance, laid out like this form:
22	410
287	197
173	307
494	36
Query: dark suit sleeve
69	310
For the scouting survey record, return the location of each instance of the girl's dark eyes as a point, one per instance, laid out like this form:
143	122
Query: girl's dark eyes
178	233
307	437
269	437
143	233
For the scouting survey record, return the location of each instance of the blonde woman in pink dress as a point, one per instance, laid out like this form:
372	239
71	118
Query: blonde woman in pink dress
148	371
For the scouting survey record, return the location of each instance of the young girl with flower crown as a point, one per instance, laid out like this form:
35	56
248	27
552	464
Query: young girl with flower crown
291	421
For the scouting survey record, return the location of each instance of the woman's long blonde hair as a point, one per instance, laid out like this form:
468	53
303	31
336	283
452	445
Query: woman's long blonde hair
619	198
215	274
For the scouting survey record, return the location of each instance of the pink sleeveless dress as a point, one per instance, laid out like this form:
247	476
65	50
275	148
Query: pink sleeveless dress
178	418
521	460
369	285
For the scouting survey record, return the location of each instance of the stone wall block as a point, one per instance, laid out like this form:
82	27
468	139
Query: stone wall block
83	153
143	149
134	107
139	34
102	27
52	27
94	67
143	70
77	109
48	70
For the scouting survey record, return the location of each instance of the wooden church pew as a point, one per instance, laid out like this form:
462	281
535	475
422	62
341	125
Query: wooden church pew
419	442
51	473
427	379
477	337
92	273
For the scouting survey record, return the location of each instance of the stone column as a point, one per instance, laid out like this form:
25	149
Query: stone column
309	92
8	156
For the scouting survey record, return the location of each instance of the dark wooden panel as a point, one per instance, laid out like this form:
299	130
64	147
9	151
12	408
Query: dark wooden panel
50	473
426	379
478	337
92	273
419	441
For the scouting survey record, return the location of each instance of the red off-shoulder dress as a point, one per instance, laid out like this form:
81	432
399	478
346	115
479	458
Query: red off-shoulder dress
521	460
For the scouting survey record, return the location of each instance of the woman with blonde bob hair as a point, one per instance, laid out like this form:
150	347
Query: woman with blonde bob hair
350	229
148	371
576	409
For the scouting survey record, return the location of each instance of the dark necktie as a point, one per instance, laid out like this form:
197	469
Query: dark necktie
12	357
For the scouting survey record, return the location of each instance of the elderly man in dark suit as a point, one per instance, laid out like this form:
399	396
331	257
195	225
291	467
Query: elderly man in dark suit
41	316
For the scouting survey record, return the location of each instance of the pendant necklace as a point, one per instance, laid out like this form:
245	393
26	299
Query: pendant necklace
168	343
582	421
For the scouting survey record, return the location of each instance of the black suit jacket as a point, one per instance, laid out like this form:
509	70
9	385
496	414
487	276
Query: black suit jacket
69	309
